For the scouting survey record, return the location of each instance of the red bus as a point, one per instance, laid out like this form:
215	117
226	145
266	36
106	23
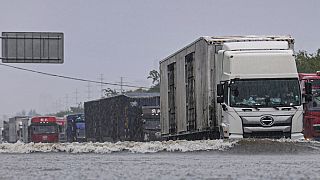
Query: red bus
311	118
44	129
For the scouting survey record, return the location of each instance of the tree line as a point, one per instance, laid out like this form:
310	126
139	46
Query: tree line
308	62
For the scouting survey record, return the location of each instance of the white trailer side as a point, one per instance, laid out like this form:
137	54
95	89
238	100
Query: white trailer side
199	51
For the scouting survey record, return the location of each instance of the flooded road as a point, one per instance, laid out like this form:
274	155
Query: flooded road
245	159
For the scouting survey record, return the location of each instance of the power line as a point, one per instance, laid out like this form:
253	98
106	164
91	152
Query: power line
72	78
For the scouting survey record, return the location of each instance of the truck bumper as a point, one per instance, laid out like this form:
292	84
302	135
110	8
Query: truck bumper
297	136
266	129
235	136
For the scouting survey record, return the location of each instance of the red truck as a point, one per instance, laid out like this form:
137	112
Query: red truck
311	119
44	129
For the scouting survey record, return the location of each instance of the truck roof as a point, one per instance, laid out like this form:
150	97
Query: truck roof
219	40
43	119
309	76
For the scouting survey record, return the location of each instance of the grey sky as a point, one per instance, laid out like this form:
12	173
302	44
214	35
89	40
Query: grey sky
127	38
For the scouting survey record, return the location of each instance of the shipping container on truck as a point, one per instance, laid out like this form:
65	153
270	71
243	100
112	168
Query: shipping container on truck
311	118
118	118
18	129
5	131
231	87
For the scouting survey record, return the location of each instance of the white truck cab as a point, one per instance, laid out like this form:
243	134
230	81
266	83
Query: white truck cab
262	96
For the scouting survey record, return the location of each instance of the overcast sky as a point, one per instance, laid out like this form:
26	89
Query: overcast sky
127	38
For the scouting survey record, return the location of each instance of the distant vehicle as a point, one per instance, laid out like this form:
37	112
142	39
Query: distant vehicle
311	118
151	123
76	130
44	129
231	87
5	131
126	117
62	128
18	129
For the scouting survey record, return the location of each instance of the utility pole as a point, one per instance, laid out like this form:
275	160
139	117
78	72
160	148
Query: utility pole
67	101
56	106
89	91
101	85
76	97
121	86
60	104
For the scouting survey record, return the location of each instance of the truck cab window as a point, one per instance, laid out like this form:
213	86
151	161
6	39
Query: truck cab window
314	104
265	93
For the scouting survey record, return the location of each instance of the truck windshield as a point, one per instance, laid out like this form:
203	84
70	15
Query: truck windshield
80	125
314	105
44	129
265	93
80	118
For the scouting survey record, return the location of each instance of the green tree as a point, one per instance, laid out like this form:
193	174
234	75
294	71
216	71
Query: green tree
33	113
109	92
22	113
72	110
308	63
139	90
155	76
155	88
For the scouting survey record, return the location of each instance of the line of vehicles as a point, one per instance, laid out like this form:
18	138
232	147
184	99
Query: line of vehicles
45	129
215	87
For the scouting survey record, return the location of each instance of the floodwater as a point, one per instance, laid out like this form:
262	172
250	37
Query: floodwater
207	159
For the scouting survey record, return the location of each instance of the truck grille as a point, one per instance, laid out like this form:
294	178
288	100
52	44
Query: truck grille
275	124
81	133
267	134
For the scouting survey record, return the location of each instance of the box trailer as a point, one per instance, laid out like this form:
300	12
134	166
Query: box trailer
118	118
18	129
231	87
5	131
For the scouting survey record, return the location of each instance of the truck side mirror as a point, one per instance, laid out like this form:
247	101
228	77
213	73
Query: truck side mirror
220	90
308	91
308	97
220	100
308	88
